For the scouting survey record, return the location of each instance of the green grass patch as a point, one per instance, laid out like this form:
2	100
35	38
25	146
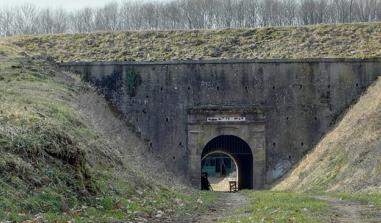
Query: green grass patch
372	198
266	206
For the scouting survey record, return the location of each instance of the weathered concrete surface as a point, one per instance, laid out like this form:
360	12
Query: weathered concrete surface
251	131
299	100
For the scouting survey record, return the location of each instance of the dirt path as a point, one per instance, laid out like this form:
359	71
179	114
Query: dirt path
224	207
348	212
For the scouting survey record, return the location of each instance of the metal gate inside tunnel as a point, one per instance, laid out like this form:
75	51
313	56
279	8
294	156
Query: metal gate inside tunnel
240	153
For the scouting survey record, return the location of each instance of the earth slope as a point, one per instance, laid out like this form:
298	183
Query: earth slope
66	156
349	157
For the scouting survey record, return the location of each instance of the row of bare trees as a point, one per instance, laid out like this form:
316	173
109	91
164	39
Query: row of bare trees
185	14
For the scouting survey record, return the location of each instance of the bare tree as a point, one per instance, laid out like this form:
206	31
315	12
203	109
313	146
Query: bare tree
186	14
82	21
193	12
322	11
171	14
309	12
150	15
26	19
7	22
46	21
61	21
342	10
289	12
365	10
350	10
106	18
251	12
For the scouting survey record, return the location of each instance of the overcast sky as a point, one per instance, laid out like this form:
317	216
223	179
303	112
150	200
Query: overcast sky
68	4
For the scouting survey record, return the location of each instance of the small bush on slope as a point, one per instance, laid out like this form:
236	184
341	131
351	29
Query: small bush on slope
54	165
348	159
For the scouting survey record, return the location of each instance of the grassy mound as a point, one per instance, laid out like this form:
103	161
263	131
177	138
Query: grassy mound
56	165
319	41
348	158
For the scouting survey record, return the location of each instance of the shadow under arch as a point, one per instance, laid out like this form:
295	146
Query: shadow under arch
241	153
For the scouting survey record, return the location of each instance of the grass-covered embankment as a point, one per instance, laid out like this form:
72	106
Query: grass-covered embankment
347	159
318	41
54	166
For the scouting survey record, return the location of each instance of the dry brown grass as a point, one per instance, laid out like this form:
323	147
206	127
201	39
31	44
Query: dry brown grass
319	41
349	157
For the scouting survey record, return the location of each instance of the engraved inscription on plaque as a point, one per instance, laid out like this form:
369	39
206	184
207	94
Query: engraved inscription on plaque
226	119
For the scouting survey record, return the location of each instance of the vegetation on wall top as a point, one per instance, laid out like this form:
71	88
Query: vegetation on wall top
319	41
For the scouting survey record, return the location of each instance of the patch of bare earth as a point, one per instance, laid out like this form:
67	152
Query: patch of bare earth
225	206
352	212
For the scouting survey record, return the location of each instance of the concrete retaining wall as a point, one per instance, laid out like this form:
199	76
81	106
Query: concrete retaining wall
301	99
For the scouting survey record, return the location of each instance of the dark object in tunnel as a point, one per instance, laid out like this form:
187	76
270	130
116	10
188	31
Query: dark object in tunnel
205	185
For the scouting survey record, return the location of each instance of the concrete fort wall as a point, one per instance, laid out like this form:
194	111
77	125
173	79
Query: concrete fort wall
300	100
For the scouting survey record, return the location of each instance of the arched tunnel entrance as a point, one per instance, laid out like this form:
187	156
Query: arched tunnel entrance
227	158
